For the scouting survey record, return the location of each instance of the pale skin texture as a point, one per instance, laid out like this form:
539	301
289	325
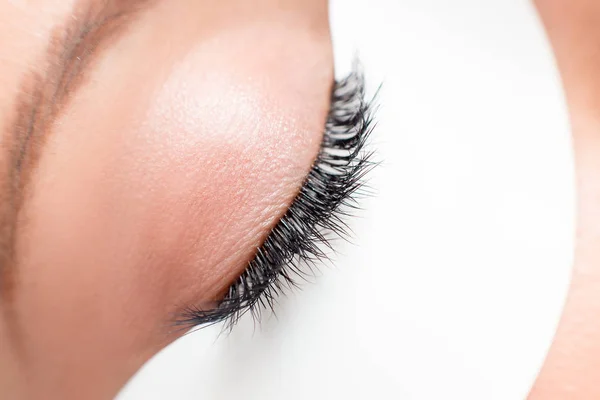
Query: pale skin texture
188	140
572	368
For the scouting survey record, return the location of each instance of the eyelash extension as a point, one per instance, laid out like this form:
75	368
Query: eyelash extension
314	218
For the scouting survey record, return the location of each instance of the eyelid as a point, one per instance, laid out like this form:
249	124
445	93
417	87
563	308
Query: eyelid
328	193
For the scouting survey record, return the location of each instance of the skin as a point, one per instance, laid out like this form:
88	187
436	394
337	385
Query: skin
172	157
181	141
572	368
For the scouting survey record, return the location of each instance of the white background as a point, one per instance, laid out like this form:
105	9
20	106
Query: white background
462	260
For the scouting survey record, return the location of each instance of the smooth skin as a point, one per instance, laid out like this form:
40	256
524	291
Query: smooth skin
189	137
572	368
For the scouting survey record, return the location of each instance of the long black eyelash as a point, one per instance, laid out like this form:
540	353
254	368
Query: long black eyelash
315	216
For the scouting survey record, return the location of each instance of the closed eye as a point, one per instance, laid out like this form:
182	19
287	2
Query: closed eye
296	244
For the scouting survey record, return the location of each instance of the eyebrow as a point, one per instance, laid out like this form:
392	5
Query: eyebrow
73	47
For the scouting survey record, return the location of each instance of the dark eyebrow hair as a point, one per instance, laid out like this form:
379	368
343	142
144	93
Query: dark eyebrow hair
45	91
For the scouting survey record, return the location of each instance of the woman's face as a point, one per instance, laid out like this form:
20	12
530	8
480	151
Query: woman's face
148	147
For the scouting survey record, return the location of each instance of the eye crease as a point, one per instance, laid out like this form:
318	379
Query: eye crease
315	217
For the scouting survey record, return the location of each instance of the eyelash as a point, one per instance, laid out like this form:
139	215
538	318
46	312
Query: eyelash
328	194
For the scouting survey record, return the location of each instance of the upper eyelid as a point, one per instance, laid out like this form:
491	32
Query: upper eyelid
337	174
